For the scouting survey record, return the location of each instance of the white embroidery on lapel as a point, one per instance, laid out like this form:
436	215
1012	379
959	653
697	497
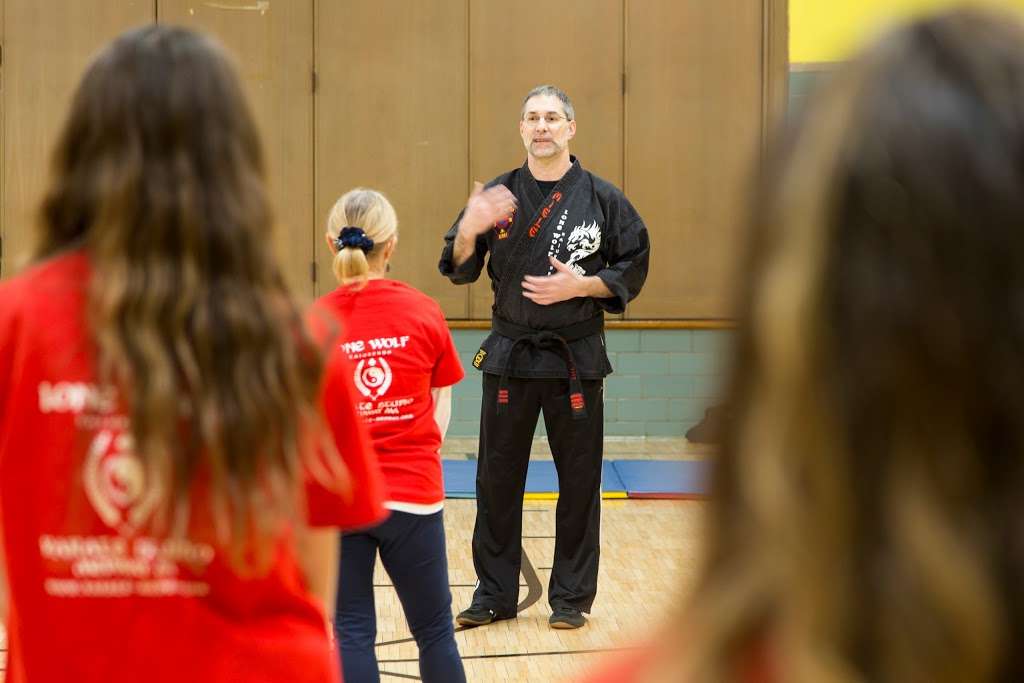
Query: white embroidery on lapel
557	237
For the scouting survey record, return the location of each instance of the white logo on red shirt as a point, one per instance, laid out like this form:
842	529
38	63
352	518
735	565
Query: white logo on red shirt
75	397
373	377
116	485
115	482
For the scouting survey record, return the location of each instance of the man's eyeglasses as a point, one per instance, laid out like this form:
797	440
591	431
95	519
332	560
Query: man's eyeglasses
551	119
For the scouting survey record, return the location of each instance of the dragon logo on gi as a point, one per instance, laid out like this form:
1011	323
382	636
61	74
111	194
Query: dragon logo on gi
115	482
373	377
584	240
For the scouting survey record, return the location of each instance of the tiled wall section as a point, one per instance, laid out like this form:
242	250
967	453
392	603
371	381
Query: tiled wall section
663	381
803	79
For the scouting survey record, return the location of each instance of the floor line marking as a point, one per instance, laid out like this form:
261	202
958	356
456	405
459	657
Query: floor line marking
534	591
523	654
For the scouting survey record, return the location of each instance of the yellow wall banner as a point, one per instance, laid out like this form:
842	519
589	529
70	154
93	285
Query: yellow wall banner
830	30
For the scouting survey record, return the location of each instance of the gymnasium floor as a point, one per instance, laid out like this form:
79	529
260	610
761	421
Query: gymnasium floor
648	559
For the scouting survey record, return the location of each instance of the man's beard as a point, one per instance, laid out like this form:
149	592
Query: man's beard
552	149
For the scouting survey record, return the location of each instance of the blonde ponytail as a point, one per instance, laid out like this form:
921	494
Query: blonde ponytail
350	264
361	222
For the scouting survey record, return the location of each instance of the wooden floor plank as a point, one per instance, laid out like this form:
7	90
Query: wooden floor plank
648	559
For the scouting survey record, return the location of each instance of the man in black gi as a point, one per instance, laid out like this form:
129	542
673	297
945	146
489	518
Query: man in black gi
565	246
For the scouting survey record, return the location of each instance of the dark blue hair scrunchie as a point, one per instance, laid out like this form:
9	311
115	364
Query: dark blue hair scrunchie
353	237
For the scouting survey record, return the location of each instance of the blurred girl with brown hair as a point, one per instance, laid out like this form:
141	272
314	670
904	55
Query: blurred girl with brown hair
169	496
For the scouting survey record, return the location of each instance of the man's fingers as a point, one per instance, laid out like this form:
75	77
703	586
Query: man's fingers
500	189
500	194
530	286
501	202
559	266
490	205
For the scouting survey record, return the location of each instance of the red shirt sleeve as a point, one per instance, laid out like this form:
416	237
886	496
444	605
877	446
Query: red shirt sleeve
361	503
447	368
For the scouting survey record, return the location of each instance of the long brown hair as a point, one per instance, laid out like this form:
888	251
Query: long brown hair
867	521
158	175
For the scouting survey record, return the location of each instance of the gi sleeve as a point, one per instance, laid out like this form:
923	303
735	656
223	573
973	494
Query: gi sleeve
469	271
628	256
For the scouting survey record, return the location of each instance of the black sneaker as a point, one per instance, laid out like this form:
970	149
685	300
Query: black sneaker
566	618
476	615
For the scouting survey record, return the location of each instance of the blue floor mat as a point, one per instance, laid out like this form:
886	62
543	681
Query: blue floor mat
541	479
459	478
664	478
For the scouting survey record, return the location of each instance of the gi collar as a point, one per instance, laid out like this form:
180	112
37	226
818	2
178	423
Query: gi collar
529	185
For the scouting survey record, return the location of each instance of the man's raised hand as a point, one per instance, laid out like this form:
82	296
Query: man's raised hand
485	208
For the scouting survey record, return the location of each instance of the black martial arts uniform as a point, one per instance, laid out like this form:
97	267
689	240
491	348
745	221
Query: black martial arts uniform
548	359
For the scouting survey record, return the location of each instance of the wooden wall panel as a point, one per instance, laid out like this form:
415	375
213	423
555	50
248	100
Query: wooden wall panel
47	46
576	45
775	67
3	160
419	99
693	124
272	44
391	114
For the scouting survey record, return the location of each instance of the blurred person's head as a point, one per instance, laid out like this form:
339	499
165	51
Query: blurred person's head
867	520
362	232
158	175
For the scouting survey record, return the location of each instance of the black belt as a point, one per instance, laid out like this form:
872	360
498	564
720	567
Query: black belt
555	340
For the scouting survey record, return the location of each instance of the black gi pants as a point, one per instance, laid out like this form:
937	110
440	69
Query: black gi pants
577	448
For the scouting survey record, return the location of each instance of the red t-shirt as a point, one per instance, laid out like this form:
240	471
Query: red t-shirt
97	596
398	341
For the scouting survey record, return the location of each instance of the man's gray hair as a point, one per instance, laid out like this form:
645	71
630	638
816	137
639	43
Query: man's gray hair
570	112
